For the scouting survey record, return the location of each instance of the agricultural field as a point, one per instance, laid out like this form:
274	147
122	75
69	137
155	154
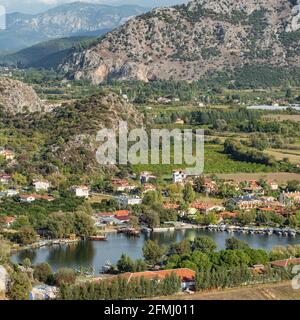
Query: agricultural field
280	154
271	291
282	117
281	177
215	161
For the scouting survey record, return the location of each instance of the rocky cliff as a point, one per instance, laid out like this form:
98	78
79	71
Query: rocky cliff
17	97
187	41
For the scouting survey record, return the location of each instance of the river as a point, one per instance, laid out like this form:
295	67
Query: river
95	254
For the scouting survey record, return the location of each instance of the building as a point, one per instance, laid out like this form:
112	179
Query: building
187	276
126	201
5	178
29	198
7	154
247	202
149	187
43	292
81	191
206	207
210	185
122	185
285	263
253	188
41	185
291	197
9	221
273	185
179	176
145	177
179	121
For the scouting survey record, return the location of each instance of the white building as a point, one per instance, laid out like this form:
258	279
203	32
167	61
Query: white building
146	176
179	176
126	201
81	191
41	185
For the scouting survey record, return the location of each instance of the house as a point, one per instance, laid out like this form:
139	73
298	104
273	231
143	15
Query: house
149	187
247	202
9	221
145	177
81	191
43	292
273	185
291	197
122	185
210	185
179	176
285	263
171	206
5	178
11	192
206	207
126	201
120	215
253	188
29	198
41	185
7	154
187	276
179	121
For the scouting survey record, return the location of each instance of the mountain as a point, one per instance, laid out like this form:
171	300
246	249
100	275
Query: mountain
186	42
46	54
73	19
17	97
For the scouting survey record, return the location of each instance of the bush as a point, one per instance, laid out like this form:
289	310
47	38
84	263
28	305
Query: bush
43	272
65	276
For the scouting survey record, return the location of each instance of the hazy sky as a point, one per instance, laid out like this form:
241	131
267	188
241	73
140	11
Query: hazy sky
35	6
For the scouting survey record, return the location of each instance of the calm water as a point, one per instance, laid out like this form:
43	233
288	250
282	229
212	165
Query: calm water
96	254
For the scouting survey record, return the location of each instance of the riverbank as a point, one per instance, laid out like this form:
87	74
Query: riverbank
44	243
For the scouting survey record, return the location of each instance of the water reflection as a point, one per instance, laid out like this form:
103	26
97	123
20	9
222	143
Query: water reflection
96	254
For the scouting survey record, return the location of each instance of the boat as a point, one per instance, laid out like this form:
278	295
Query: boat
97	238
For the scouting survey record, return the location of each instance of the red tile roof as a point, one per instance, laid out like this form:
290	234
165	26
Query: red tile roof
184	274
285	263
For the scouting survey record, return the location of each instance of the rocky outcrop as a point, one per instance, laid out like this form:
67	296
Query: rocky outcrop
17	97
4	278
188	41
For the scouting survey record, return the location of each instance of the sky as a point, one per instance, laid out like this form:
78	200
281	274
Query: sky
36	6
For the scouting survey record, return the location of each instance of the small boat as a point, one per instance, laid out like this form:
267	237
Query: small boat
97	238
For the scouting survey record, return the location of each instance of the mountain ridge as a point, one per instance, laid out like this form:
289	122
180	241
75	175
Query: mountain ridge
72	19
185	42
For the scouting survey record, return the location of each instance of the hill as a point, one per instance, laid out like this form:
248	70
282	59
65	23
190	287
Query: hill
17	97
47	54
72	19
187	42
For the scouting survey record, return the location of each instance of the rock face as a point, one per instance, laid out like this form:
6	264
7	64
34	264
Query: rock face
17	97
3	279
74	128
187	41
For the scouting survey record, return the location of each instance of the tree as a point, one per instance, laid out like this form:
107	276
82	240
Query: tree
26	263
4	251
153	252
20	286
65	276
84	224
199	184
19	179
26	236
188	193
125	264
43	272
205	244
236	244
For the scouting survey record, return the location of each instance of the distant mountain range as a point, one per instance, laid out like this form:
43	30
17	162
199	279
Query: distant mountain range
68	20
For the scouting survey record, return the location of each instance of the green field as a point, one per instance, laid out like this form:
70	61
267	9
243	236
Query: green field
215	161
